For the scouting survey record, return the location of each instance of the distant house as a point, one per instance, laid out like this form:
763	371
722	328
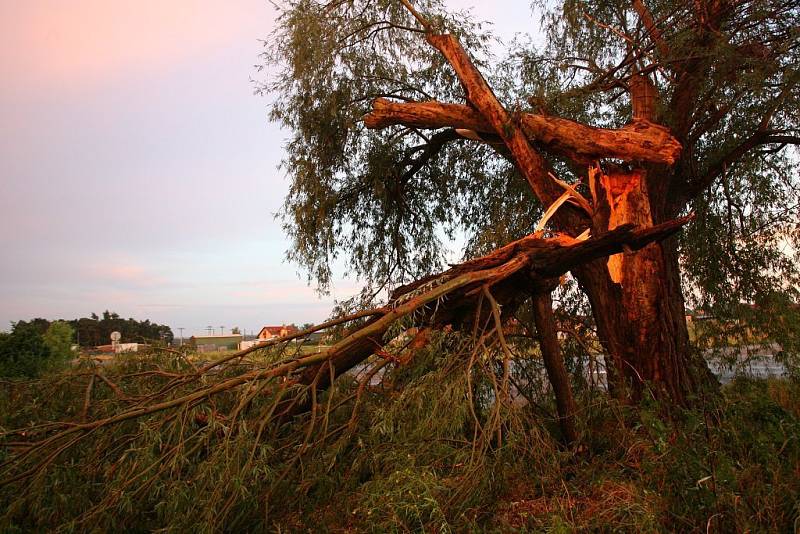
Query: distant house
697	315
215	343
272	332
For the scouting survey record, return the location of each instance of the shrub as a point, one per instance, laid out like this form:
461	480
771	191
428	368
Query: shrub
58	339
22	352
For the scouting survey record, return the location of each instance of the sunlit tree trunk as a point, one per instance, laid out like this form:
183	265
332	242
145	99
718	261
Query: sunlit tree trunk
636	297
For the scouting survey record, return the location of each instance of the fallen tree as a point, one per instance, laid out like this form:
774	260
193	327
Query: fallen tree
404	123
469	297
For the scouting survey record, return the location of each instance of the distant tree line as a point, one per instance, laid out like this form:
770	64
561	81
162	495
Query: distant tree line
96	330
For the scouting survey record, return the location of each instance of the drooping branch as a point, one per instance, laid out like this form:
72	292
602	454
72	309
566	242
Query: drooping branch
451	297
552	257
639	141
759	138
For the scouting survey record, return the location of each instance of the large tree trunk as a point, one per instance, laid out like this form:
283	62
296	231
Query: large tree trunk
642	327
636	297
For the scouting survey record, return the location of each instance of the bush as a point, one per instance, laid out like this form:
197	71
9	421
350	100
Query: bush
26	353
58	338
406	461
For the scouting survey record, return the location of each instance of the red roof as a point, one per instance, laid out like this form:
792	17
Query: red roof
277	331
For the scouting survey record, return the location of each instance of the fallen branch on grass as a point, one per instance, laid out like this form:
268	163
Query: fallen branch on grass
452	298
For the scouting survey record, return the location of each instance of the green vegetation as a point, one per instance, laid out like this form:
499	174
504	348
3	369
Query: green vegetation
95	330
461	402
59	338
402	457
212	356
27	352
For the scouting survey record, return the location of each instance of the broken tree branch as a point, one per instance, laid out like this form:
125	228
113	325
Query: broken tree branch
445	299
639	141
530	163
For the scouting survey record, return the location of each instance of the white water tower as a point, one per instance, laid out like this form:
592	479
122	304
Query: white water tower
115	337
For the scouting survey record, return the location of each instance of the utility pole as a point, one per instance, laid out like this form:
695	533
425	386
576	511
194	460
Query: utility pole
180	329
209	328
222	330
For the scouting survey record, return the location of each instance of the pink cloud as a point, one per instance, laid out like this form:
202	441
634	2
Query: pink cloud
126	273
61	45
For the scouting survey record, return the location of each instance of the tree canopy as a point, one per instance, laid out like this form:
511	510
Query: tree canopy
389	199
29	349
96	330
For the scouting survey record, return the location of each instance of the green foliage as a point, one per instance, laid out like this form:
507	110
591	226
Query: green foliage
382	196
725	86
59	338
23	352
95	330
407	461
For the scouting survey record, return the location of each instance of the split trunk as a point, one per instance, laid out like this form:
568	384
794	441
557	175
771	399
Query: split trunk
636	296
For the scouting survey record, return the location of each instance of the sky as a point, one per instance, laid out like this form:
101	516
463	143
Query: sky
138	170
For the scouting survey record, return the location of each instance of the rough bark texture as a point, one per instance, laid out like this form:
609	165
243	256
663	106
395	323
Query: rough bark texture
637	300
643	331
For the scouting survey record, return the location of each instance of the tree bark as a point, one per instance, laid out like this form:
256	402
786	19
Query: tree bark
643	331
636	297
641	140
554	363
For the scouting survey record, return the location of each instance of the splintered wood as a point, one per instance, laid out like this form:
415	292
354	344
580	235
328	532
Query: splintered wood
626	194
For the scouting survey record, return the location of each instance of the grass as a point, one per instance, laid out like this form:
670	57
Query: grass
408	462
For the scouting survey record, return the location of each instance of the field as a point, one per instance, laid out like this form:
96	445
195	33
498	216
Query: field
213	356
